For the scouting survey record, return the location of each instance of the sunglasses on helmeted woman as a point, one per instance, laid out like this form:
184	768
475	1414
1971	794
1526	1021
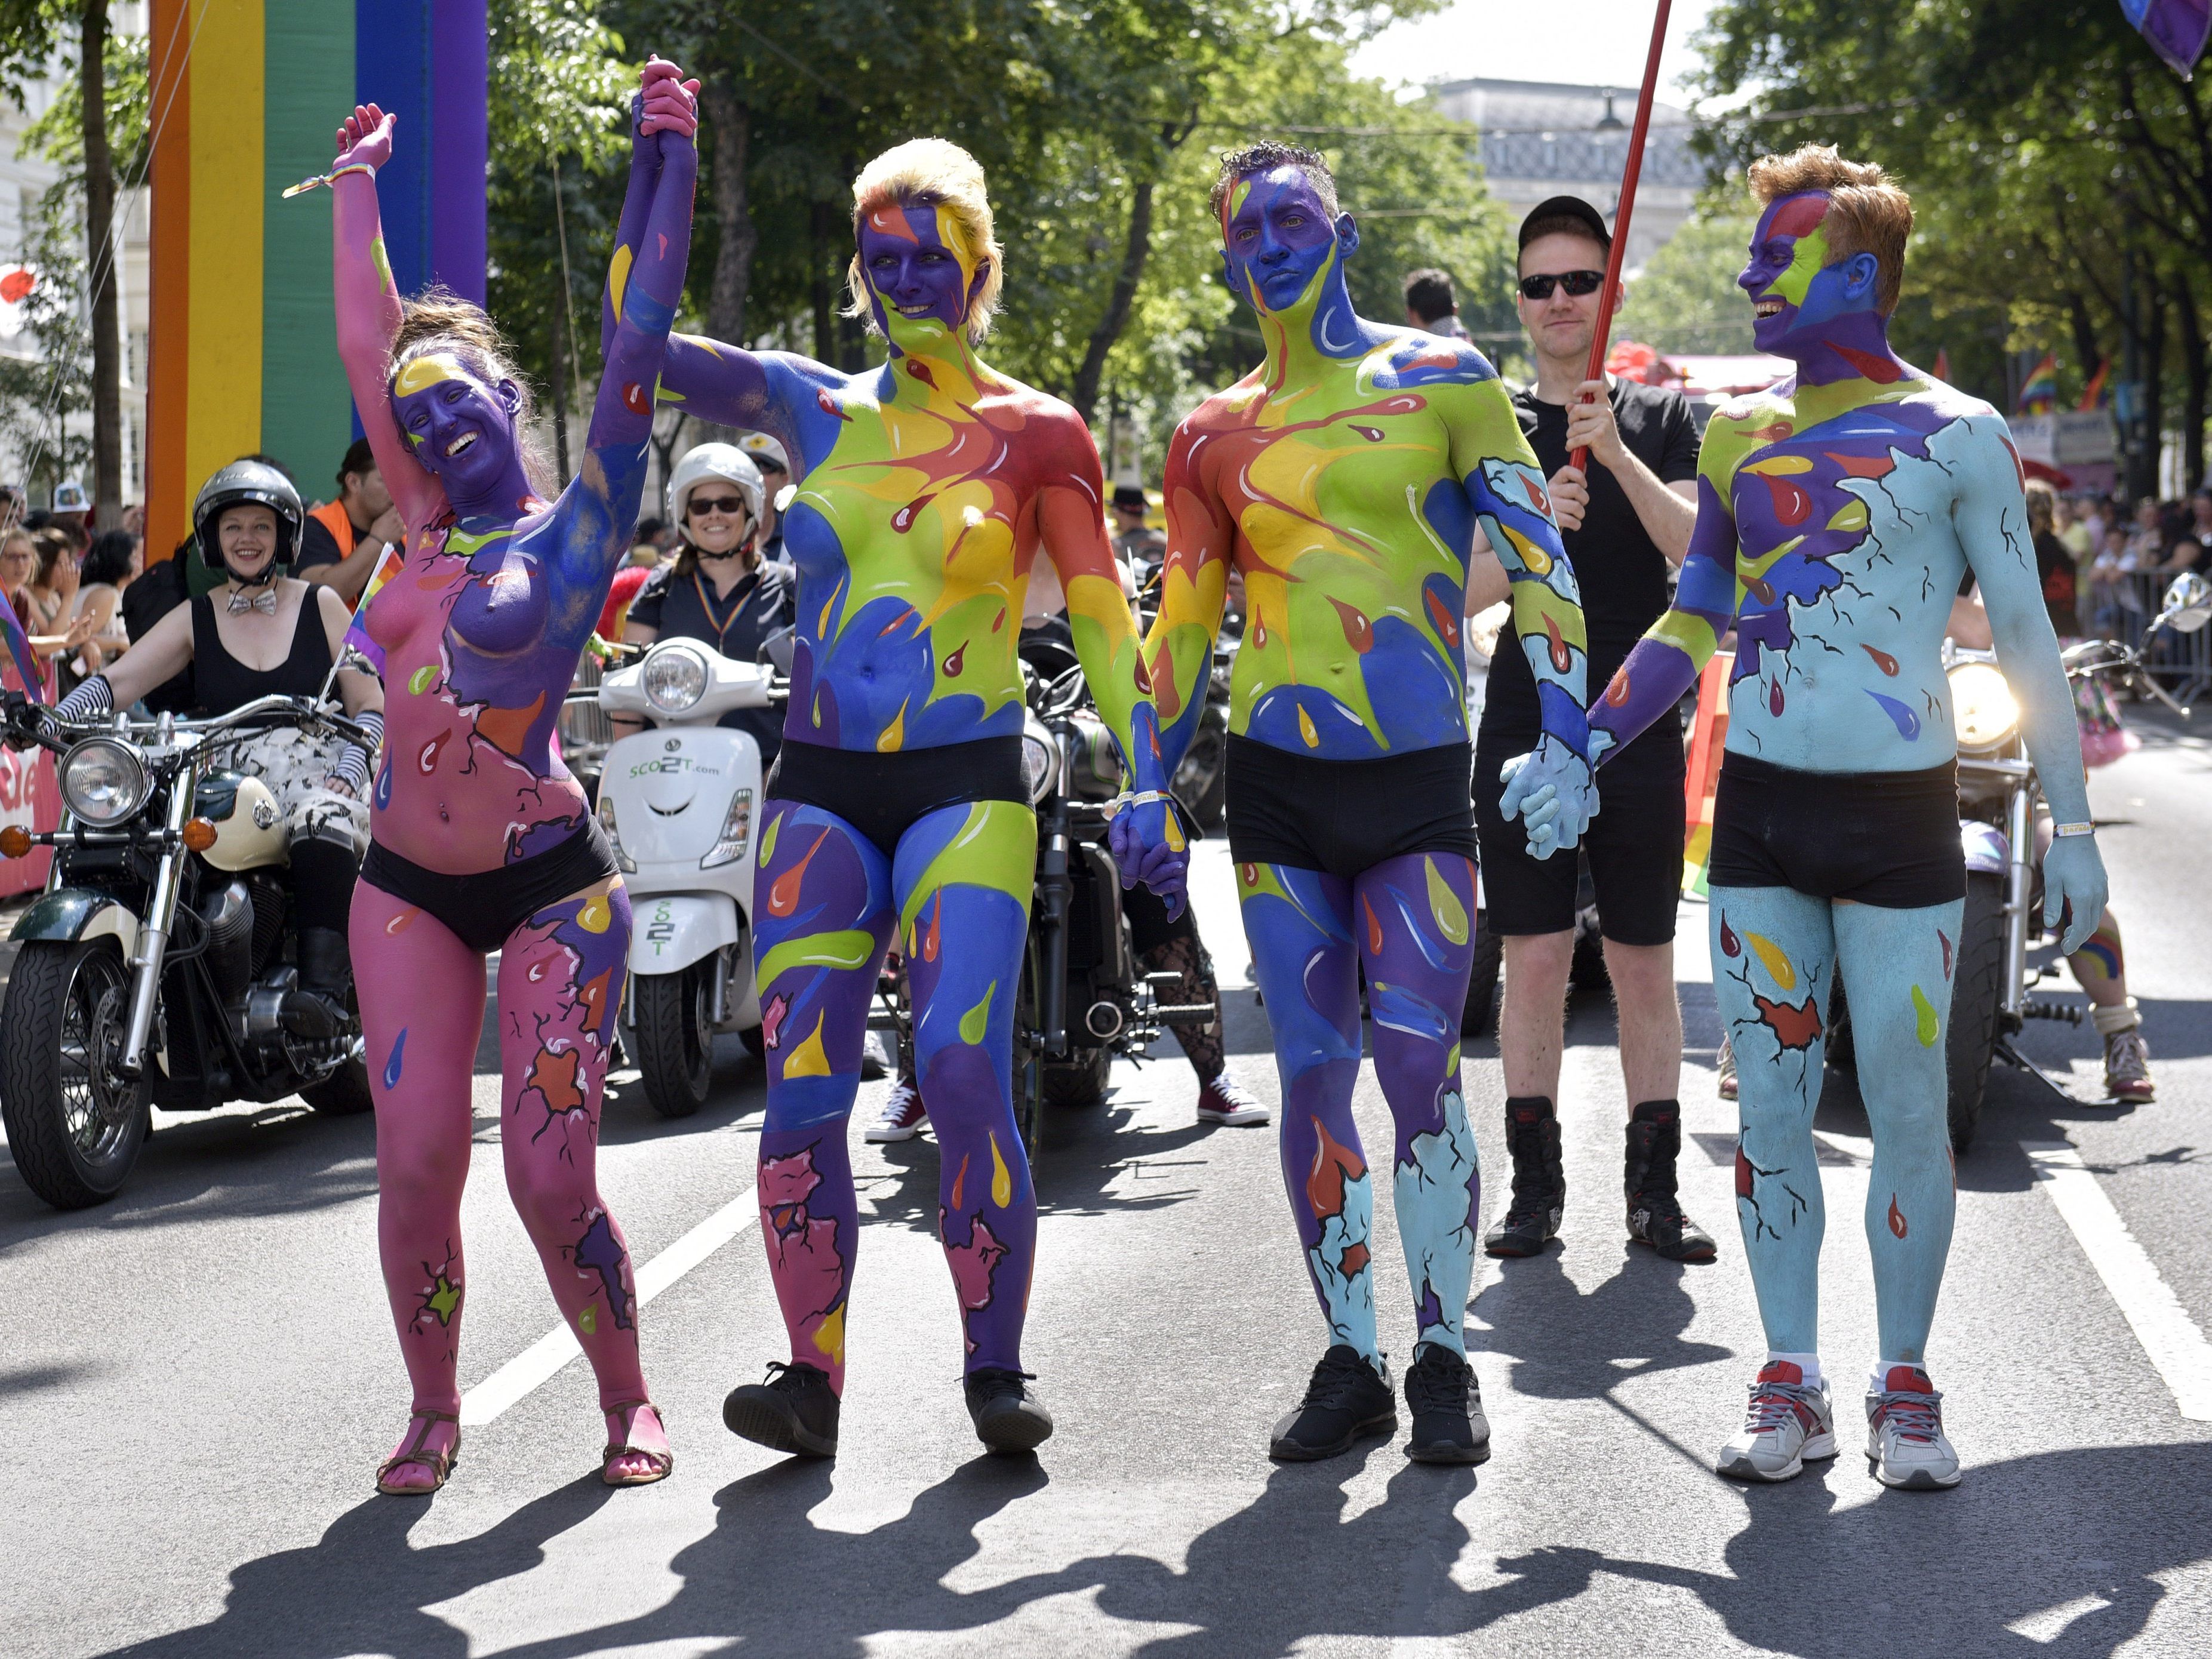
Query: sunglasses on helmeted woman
1577	282
717	504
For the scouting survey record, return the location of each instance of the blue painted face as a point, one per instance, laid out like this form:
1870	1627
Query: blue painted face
1796	294
461	429
1277	237
920	268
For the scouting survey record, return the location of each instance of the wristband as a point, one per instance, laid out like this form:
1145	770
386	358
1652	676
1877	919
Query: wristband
2074	830
329	178
1143	797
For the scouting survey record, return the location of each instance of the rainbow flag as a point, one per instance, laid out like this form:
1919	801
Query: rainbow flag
2175	28
2039	396
246	94
2097	394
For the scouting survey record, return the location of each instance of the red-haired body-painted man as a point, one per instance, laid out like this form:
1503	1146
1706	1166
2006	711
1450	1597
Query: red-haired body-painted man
1346	479
482	840
928	488
1836	513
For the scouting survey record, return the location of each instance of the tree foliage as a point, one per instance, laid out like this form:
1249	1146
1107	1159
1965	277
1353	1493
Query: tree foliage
1686	300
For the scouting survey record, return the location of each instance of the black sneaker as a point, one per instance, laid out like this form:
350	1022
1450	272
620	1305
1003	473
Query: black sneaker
794	1411
1009	1417
1446	1400
1346	1399
1540	1184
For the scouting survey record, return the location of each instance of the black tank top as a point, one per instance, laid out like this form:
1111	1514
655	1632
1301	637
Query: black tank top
223	683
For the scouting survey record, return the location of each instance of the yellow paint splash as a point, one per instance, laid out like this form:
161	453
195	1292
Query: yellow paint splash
1777	964
1444	905
618	276
808	1060
972	1023
1929	1023
1002	1183
829	1336
894	737
1306	730
587	1321
424	372
595	915
767	840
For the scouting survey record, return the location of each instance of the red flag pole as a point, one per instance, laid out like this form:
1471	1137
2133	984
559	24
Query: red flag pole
1580	458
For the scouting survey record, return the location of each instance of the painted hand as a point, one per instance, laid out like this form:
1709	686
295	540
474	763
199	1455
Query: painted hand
665	102
1147	844
2074	883
366	138
1552	792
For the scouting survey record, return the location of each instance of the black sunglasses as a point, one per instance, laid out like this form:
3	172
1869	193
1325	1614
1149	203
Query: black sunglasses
718	504
1577	282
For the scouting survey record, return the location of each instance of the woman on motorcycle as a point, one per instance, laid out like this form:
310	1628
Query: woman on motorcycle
928	485
482	841
263	634
720	591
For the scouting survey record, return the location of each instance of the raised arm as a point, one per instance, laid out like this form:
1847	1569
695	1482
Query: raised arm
1193	585
368	306
1490	452
1990	513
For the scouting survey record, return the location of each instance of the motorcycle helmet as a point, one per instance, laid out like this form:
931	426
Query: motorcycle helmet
765	451
725	462
262	484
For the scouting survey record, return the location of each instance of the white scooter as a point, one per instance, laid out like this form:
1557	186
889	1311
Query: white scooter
679	801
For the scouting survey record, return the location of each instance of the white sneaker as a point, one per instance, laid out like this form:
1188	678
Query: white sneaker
1786	1424
902	1115
1905	1434
875	1056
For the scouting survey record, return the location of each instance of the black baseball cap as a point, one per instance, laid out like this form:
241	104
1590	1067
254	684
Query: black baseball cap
1568	207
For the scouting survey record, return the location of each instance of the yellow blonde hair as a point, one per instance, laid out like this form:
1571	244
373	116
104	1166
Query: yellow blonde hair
931	173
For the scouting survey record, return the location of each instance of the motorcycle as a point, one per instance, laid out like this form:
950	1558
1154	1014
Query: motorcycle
678	801
2000	798
153	971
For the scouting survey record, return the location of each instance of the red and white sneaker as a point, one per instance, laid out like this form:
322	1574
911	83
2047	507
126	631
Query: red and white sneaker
1222	1102
1786	1424
1905	1434
2127	1067
902	1115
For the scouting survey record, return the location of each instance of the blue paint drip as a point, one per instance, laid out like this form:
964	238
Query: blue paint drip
1907	722
392	1066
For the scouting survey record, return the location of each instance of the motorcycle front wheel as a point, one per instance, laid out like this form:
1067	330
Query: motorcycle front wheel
74	1126
1028	1058
675	1049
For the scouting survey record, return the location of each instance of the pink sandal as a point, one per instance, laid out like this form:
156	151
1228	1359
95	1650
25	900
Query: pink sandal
662	1462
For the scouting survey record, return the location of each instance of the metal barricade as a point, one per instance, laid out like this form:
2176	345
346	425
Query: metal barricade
585	732
2126	610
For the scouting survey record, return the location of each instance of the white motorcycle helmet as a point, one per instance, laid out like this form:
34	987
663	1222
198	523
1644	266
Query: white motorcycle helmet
723	463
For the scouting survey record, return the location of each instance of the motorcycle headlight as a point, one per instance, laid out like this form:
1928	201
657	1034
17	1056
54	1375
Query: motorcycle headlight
1982	703
103	781
624	861
736	832
1040	764
674	679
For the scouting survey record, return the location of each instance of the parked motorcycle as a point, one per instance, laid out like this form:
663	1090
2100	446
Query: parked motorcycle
1201	779
678	800
154	968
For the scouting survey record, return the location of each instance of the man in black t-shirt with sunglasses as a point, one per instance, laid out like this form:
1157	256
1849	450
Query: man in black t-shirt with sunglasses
1625	518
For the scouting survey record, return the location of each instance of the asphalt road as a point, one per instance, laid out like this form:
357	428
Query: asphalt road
199	1379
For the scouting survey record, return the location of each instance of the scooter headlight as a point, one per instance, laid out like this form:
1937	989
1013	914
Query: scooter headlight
736	836
103	781
1983	705
674	679
1040	763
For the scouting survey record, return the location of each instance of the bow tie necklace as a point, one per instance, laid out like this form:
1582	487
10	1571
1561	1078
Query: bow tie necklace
265	601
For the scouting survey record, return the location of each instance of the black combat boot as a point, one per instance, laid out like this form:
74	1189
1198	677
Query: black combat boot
1655	1212
1539	1185
315	1011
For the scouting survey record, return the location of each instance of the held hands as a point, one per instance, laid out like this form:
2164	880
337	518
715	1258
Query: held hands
1590	425
665	102
1570	490
2073	885
1148	845
1553	792
366	138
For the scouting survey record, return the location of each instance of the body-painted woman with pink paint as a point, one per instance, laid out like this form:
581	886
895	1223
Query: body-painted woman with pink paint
482	840
928	485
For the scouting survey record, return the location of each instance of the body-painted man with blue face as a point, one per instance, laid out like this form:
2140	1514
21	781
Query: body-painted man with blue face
1836	513
1345	479
929	486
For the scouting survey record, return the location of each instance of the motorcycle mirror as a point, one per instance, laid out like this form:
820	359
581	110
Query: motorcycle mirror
2188	605
777	648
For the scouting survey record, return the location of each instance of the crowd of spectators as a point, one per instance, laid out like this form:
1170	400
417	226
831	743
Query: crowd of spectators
2115	547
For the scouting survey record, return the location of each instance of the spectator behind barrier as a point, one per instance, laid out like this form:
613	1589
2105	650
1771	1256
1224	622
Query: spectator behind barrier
344	539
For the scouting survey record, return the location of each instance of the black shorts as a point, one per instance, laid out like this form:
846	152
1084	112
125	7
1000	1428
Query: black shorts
1634	845
481	910
884	796
1884	838
1344	817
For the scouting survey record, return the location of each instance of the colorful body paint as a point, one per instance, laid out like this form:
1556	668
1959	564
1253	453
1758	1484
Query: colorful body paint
481	628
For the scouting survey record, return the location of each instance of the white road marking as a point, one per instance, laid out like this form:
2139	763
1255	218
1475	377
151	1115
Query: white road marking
2169	1336
538	1363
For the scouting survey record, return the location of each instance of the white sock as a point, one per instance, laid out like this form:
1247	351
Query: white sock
1809	1363
1878	1382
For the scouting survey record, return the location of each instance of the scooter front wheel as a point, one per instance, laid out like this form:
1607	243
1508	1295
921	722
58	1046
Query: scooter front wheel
675	1049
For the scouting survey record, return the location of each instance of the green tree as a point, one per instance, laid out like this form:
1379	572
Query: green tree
1686	300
